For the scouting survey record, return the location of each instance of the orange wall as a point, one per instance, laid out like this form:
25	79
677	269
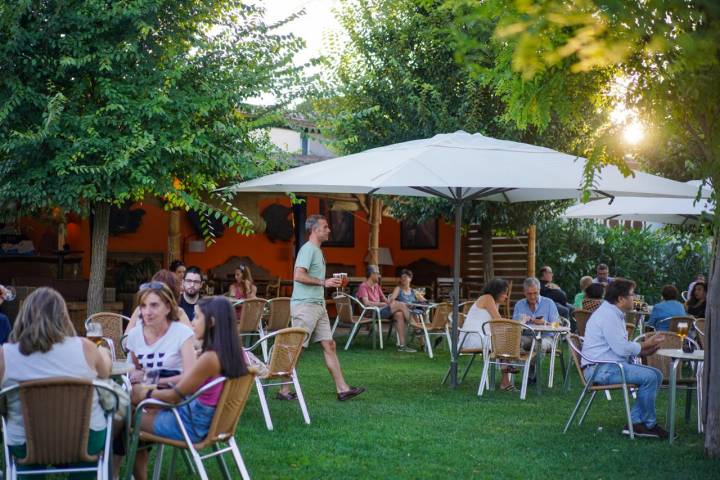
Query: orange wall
277	258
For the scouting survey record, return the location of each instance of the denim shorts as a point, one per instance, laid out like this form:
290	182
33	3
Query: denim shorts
196	417
386	312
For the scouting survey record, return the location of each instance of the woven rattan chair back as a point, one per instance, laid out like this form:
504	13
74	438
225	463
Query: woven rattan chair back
273	288
112	327
278	313
440	315
671	340
581	319
673	325
632	317
230	407
576	342
505	338
344	308
56	413
286	351
251	315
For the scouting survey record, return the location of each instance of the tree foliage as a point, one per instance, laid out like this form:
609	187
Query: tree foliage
397	79
112	101
652	258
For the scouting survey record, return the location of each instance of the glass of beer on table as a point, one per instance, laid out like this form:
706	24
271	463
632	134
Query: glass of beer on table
682	329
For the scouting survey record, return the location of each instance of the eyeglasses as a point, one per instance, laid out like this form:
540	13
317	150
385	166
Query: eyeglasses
194	282
151	285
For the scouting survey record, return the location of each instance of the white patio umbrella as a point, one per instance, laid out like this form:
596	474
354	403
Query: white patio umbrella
462	167
642	209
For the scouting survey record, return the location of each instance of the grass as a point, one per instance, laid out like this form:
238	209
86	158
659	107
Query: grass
409	426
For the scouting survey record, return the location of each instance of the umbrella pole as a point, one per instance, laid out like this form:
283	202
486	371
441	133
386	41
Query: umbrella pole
456	297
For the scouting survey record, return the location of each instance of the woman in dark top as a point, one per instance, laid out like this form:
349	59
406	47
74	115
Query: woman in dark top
697	301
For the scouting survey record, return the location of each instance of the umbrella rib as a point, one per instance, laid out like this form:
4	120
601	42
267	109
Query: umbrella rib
607	195
432	191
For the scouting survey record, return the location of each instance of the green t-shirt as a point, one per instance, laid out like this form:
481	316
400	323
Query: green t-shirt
578	299
311	259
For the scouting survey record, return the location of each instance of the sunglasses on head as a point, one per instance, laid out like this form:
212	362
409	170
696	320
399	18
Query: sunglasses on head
151	285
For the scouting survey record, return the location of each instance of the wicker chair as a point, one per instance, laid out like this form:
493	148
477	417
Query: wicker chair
113	328
278	314
56	413
250	322
369	316
222	429
504	350
575	343
284	356
674	321
630	328
273	288
433	323
581	320
464	351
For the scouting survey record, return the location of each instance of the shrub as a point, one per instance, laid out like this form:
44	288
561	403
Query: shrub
652	258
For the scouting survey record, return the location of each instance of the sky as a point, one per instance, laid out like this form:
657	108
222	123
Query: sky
317	22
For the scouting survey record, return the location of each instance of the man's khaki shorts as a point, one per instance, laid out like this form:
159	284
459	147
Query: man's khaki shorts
312	317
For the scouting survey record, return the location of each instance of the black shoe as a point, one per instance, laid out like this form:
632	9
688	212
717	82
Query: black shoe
640	430
532	380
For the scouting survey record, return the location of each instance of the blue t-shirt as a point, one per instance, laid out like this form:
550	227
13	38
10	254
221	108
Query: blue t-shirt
663	310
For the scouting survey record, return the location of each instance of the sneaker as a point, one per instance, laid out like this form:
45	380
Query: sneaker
406	349
640	430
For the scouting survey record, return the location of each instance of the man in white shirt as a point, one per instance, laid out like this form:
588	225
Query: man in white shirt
606	340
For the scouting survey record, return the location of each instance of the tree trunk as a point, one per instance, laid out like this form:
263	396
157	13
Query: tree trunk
98	261
711	375
532	254
487	246
375	220
174	237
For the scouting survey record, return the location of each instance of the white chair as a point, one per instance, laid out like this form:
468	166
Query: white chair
284	355
57	421
468	351
250	322
575	343
222	429
345	305
434	322
504	350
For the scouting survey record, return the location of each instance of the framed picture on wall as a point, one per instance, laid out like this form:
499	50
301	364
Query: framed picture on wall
342	226
419	235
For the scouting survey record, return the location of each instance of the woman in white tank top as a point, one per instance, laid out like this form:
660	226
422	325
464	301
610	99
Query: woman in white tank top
482	311
43	344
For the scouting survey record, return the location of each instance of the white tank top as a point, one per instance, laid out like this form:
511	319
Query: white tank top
65	359
476	318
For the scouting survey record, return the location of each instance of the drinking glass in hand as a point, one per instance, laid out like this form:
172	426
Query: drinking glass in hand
94	332
337	276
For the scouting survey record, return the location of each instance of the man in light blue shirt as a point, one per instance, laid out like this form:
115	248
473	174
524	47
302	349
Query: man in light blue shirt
535	309
606	340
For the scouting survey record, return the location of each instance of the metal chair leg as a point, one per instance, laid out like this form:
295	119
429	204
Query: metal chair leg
158	462
352	335
301	397
587	408
263	403
467	369
483	376
575	410
238	459
626	396
171	470
221	463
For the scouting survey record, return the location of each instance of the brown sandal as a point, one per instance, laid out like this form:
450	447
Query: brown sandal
286	396
348	394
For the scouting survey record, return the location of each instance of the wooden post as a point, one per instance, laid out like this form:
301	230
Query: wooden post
174	237
375	220
531	251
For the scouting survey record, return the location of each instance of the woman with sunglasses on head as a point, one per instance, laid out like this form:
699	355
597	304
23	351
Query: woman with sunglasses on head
243	287
169	279
161	348
221	354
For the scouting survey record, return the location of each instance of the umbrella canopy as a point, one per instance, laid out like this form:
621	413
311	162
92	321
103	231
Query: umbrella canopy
643	209
463	167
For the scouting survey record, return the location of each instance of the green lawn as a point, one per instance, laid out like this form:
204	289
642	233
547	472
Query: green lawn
409	426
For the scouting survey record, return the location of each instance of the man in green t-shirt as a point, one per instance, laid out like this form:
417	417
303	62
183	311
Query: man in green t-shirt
307	306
